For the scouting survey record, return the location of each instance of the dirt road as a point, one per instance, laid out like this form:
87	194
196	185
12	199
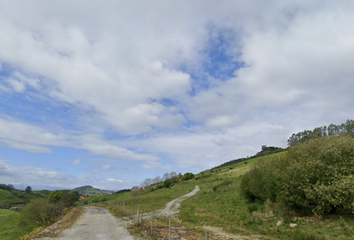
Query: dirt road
96	224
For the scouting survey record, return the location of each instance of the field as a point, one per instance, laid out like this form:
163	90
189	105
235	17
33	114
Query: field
9	228
219	204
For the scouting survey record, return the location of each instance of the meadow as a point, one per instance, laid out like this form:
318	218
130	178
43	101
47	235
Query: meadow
220	204
9	225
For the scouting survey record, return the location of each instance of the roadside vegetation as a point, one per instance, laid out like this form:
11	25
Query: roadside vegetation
24	220
304	192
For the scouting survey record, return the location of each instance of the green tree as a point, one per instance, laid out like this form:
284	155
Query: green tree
167	183
28	189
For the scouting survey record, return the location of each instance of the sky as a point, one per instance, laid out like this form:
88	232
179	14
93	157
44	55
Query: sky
109	93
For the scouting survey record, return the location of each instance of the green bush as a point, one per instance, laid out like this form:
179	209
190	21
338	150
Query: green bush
167	183
318	174
41	211
187	176
258	183
66	197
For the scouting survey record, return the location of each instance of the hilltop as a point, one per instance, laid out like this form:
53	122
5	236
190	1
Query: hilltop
89	190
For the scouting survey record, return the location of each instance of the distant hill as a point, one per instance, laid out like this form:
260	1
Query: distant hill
13	197
89	190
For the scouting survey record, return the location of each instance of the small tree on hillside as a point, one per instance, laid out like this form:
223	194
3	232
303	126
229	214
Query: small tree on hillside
28	189
167	183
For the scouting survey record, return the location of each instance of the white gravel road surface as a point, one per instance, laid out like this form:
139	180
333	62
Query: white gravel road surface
96	224
99	224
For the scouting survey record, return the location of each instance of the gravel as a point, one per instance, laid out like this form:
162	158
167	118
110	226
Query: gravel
96	224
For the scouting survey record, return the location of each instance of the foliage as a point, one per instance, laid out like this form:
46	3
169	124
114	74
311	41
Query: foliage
28	189
187	176
8	187
324	131
66	197
318	173
258	183
167	183
41	211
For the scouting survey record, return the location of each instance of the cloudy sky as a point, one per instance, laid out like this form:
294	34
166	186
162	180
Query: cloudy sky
108	93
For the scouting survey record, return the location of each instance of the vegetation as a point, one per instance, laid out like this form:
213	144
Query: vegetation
319	132
9	225
315	175
10	197
252	198
89	191
46	211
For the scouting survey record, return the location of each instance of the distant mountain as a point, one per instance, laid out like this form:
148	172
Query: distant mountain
89	190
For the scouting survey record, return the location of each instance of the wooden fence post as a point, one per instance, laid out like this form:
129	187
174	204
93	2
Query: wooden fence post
169	229
137	214
151	225
206	235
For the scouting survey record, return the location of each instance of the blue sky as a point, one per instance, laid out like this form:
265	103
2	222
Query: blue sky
108	94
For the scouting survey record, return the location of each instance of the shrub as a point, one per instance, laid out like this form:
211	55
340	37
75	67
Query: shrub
41	212
66	197
318	173
258	183
167	183
187	176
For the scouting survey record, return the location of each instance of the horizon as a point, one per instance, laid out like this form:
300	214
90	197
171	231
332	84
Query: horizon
109	94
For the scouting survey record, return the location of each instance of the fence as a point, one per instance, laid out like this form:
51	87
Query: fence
145	221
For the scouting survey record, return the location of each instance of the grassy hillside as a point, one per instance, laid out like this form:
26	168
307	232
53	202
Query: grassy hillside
9	198
220	204
9	228
6	198
89	190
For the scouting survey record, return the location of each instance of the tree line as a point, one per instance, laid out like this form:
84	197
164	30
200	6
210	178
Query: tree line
167	180
324	131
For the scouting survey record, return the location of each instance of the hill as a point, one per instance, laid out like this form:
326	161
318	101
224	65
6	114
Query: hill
13	197
89	190
220	203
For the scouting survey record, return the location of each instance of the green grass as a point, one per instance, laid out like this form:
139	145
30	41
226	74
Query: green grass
15	197
7	197
9	223
220	204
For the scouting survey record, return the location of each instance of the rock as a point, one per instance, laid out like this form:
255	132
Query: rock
293	225
279	223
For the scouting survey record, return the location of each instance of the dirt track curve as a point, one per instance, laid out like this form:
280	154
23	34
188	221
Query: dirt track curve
98	223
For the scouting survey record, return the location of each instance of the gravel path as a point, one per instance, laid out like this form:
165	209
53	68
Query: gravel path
96	224
99	224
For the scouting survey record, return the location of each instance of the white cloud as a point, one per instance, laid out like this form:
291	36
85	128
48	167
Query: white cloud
115	180
144	74
75	162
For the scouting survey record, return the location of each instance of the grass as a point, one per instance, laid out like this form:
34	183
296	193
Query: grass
7	198
9	224
220	204
15	196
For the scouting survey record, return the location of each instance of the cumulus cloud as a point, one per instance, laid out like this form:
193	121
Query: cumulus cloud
141	83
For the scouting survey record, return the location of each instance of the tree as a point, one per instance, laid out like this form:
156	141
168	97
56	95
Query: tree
166	176
187	176
28	189
167	183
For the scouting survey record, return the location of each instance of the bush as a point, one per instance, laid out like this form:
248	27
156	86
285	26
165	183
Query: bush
258	183
187	176
167	183
66	197
318	173
41	212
